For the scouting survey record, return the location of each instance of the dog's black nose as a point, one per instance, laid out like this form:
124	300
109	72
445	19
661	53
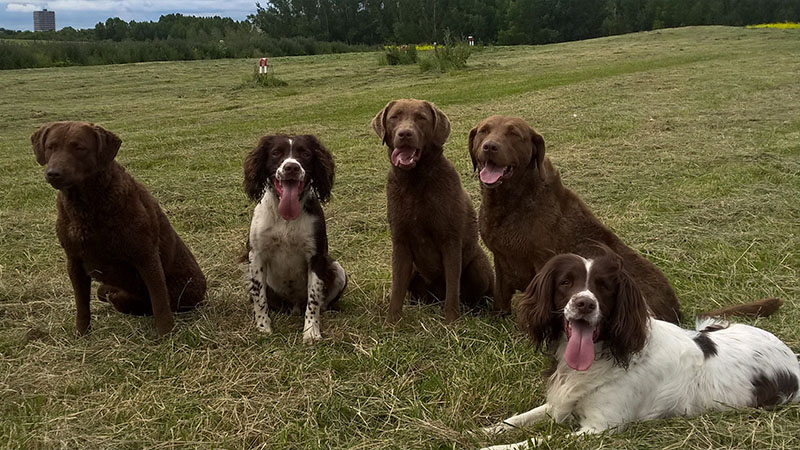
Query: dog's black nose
404	133
585	305
52	174
490	146
291	169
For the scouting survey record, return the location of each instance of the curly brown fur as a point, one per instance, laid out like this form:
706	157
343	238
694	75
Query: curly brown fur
113	230
435	251
527	215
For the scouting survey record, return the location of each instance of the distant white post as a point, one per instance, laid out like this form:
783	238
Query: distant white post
263	65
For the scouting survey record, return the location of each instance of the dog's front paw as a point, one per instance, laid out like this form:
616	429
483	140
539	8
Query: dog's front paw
83	326
311	336
394	317
165	326
264	325
497	428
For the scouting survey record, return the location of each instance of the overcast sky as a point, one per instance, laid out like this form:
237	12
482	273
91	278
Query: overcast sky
18	15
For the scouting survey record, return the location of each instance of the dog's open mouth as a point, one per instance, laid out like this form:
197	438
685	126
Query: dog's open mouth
289	192
405	157
579	354
492	175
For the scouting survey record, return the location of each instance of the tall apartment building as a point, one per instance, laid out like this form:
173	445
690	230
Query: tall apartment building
44	20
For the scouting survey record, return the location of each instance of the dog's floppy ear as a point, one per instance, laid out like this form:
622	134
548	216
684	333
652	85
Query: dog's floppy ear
471	144
322	169
379	122
537	306
629	321
107	144
255	168
38	139
537	151
441	125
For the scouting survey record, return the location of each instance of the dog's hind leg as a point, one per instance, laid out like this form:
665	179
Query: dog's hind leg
258	293
477	284
124	301
336	288
420	291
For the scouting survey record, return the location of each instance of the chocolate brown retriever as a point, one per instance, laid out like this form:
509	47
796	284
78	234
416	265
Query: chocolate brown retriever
527	216
435	249
113	230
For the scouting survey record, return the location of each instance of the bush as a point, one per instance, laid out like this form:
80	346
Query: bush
395	56
446	58
14	55
263	80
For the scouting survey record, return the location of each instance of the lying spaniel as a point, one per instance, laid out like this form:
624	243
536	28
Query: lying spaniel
289	265
616	364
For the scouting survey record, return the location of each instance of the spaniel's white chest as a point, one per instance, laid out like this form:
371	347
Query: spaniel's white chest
283	248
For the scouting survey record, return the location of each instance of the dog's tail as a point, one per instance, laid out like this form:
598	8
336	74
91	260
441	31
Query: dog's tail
759	308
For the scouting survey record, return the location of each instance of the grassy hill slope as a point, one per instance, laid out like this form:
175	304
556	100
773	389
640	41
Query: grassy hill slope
686	142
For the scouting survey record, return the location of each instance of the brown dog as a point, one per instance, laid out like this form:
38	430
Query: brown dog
435	249
527	216
113	230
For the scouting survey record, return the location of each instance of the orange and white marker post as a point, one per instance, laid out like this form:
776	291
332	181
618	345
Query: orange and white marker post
263	65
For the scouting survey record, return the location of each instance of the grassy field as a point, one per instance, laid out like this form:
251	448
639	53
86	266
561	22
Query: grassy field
686	142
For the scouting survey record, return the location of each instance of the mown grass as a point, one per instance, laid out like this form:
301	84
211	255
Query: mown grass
686	142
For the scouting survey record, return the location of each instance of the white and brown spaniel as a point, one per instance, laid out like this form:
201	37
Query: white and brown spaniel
289	265
615	364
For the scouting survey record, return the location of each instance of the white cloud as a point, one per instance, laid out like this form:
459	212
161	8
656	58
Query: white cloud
150	6
21	7
86	5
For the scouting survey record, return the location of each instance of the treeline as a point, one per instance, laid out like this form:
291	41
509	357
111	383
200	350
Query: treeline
303	27
503	21
173	37
36	54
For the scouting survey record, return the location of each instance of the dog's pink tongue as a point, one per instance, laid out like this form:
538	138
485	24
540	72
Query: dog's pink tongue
580	347
289	205
403	155
491	173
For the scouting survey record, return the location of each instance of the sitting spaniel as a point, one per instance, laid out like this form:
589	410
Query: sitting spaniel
616	364
290	268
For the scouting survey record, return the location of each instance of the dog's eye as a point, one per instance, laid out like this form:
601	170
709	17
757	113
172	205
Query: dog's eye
514	132
276	153
566	282
421	118
393	117
306	154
